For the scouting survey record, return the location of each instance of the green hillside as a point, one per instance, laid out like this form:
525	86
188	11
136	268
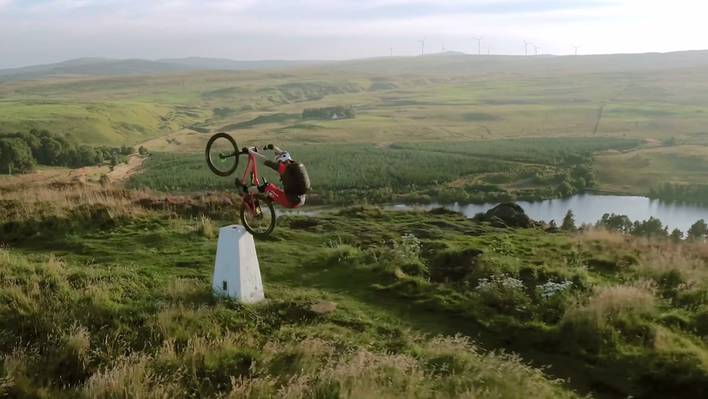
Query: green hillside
657	99
420	98
113	299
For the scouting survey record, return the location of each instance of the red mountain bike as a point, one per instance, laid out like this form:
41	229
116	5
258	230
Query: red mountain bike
257	211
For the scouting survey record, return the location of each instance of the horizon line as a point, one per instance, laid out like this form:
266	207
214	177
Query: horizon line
324	60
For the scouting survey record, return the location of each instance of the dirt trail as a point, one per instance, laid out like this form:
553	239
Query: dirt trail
119	174
123	171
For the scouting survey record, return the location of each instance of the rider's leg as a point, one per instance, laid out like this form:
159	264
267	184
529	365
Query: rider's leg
244	189
277	195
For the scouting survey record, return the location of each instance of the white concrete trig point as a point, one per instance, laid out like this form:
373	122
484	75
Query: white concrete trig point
236	271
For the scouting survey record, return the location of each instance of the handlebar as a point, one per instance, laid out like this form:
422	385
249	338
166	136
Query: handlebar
272	147
254	150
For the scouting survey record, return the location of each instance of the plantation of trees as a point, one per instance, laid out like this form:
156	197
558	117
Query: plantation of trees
20	152
326	113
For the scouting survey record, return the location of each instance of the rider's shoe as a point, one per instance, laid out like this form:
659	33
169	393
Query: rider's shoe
242	188
263	185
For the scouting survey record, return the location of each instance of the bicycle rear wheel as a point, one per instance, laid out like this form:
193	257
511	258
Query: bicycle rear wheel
258	216
222	154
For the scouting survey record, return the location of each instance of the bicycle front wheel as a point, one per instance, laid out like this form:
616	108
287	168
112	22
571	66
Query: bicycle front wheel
258	217
222	154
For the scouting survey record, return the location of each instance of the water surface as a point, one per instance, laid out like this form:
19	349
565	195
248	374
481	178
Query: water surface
589	208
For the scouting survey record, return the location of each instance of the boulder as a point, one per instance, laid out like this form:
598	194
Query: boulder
506	214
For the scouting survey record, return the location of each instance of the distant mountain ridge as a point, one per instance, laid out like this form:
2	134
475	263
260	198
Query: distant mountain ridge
434	63
108	66
229	64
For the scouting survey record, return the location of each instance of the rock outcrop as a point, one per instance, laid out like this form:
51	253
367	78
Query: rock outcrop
506	214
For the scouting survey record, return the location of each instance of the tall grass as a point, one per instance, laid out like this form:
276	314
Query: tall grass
608	303
76	332
60	199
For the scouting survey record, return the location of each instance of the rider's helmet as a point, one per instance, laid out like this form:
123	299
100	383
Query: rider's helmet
283	157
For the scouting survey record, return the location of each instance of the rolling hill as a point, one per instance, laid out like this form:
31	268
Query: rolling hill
398	99
435	64
108	66
461	63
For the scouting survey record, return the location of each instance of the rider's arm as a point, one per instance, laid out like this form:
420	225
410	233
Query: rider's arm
276	166
272	164
279	167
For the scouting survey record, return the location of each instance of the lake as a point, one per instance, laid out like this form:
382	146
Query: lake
589	208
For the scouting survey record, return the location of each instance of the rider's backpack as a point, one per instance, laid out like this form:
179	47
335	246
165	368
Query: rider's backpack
298	182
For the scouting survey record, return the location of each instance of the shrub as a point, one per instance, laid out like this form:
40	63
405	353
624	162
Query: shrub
339	254
553	298
504	293
454	265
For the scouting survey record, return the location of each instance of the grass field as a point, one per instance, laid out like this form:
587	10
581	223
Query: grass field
106	293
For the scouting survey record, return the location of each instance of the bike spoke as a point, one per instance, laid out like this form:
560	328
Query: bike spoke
222	154
258	218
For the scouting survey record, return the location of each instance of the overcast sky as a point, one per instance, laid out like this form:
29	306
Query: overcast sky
42	31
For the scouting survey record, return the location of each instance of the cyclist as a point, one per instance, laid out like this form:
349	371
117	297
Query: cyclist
293	175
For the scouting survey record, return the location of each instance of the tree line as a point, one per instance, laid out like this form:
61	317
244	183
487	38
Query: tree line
681	192
21	152
651	228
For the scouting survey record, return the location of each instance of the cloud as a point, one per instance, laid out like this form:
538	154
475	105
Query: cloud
45	30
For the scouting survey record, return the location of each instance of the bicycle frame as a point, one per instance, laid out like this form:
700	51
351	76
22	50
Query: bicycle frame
251	172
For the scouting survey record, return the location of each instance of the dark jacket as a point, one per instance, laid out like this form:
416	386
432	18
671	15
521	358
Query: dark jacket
296	182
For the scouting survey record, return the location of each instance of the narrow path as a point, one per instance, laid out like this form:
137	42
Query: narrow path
123	171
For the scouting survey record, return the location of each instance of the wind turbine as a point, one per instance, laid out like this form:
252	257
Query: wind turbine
526	47
422	46
576	49
479	45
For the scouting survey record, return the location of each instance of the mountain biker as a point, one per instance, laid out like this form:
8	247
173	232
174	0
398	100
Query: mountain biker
293	175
